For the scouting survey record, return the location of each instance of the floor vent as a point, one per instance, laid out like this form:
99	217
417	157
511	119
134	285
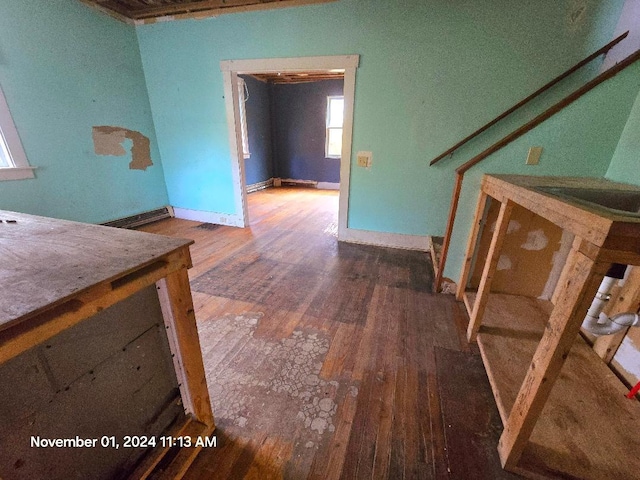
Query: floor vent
208	226
141	218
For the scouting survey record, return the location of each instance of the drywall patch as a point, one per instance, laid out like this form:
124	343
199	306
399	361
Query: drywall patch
108	140
514	226
536	240
558	261
504	263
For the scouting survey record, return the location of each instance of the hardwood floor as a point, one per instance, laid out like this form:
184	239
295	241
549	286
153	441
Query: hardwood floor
327	360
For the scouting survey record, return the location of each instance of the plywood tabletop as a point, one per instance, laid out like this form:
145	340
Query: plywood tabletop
596	225
45	261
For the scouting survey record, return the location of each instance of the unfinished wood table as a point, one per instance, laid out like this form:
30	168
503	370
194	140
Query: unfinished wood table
61	283
564	412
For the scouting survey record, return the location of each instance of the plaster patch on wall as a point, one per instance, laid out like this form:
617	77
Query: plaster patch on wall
514	226
504	263
628	357
108	140
536	240
577	15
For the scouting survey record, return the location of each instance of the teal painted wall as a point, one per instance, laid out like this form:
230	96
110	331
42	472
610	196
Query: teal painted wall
430	73
625	164
65	68
578	141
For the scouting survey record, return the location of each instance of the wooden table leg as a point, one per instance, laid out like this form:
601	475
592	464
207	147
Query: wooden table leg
489	269
471	244
585	276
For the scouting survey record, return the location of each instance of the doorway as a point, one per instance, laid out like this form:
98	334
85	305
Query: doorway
232	68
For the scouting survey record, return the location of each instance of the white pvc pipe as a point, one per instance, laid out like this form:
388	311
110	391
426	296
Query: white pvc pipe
597	322
615	324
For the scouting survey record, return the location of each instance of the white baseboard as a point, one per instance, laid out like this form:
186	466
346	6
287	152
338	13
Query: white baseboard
328	186
384	239
229	219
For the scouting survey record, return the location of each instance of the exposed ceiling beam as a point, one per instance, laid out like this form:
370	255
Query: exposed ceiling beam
148	11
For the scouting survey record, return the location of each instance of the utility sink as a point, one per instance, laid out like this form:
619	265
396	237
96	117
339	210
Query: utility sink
619	202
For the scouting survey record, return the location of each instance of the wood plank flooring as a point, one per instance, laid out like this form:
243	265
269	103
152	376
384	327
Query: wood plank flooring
397	391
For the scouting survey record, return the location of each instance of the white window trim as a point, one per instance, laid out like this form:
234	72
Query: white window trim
242	99
20	169
329	127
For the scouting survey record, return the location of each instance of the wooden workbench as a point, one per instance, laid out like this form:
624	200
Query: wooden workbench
59	279
563	410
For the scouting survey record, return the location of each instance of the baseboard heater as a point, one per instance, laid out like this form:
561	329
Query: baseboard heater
254	187
292	182
141	218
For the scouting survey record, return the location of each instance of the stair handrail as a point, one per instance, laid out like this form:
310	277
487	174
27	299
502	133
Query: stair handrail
523	102
460	171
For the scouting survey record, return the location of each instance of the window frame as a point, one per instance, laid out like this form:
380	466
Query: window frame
19	168
330	127
244	132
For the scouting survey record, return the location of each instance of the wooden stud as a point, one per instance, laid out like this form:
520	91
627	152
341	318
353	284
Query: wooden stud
471	244
626	301
560	334
177	307
489	269
453	208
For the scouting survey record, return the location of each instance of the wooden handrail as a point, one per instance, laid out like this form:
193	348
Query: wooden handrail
523	102
460	171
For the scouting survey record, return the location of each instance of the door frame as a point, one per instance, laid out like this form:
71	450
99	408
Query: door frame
230	71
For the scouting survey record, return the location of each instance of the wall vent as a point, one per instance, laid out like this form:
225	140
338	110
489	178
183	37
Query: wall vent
141	218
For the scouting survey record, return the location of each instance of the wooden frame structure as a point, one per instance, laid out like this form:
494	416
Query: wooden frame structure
563	410
462	169
75	271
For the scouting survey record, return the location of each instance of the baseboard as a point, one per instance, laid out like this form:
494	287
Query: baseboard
229	219
328	186
143	218
254	187
384	239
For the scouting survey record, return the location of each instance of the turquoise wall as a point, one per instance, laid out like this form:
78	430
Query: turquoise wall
578	141
430	73
64	68
625	164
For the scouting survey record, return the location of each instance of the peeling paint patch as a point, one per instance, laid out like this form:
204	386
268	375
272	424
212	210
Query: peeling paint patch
536	240
108	140
504	263
628	357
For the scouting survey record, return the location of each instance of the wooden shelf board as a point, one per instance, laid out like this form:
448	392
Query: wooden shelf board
588	429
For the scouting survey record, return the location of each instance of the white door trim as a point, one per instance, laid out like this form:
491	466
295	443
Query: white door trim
230	70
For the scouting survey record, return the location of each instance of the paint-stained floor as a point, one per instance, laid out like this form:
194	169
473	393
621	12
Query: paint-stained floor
328	360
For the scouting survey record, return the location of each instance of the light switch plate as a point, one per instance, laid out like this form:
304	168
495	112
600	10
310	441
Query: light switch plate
364	159
533	157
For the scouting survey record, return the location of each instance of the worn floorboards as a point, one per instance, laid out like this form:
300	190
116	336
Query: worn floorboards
328	360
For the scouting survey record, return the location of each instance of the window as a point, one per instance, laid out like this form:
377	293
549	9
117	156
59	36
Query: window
335	114
243	96
13	161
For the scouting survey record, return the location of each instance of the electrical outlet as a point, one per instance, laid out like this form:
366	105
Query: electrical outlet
533	157
363	159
